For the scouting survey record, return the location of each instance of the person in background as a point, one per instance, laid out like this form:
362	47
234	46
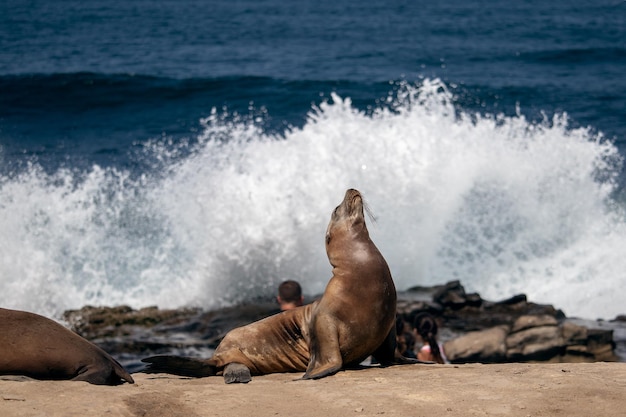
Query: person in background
405	341
426	329
289	295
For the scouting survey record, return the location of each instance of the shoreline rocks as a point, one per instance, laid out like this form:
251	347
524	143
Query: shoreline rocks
130	335
471	329
512	330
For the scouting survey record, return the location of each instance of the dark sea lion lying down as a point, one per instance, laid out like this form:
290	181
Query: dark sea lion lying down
355	317
37	347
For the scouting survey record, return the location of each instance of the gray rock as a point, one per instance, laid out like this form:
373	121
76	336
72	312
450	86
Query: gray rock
479	346
573	334
526	322
535	343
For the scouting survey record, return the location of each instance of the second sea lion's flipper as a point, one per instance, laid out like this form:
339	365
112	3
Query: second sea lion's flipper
178	365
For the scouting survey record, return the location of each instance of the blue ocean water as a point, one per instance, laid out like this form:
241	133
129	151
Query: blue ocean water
190	153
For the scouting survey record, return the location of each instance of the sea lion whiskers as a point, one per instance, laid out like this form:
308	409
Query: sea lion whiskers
369	212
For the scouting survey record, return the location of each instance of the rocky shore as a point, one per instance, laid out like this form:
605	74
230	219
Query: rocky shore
472	330
479	336
512	330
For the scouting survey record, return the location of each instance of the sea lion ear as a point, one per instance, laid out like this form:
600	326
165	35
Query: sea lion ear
327	238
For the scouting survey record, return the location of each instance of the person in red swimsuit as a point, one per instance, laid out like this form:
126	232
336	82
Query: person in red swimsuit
425	327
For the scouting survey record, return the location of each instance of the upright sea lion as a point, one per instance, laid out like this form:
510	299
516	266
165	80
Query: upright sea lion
40	348
354	318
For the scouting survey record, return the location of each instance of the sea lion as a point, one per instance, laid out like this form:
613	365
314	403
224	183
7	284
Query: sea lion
354	318
40	348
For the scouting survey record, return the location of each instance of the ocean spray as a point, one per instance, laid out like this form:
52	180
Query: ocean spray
502	204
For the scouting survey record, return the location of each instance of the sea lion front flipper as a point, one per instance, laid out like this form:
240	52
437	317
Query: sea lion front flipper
325	354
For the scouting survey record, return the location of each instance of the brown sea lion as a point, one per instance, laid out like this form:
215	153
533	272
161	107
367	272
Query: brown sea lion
355	317
37	347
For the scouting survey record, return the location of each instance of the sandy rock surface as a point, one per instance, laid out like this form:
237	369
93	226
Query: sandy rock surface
585	389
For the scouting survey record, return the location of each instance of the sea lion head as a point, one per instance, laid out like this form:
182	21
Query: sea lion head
347	228
348	217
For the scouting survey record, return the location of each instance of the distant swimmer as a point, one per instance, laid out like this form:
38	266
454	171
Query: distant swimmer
289	295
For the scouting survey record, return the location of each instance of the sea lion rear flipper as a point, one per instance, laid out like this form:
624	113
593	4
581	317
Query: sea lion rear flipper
106	371
388	355
98	376
122	374
178	365
119	373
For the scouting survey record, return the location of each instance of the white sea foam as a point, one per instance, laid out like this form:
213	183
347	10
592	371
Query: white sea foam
502	204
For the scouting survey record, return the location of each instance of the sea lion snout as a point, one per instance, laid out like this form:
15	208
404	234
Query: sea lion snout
352	204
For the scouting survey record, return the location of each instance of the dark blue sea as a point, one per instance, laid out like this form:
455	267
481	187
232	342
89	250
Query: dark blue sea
190	153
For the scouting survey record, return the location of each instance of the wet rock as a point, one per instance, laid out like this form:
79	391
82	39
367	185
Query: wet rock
527	322
516	299
600	344
534	343
487	346
98	322
573	334
129	335
451	295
